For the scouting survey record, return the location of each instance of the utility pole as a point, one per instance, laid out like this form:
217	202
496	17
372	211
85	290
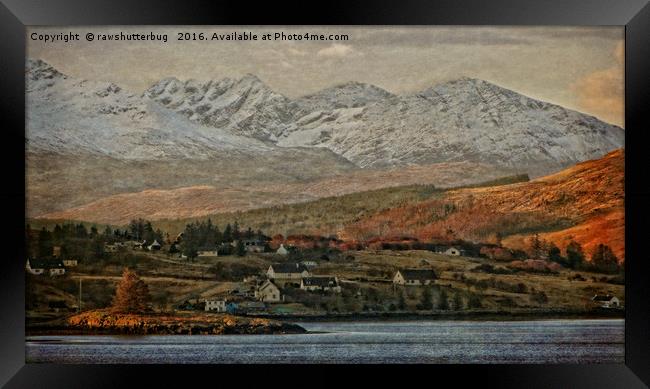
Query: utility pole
79	307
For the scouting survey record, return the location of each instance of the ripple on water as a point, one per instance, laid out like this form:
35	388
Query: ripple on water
547	341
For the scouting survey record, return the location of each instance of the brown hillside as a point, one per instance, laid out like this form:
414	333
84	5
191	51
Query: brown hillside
584	202
198	201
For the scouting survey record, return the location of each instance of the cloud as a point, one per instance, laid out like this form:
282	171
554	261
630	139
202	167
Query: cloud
296	52
603	91
336	50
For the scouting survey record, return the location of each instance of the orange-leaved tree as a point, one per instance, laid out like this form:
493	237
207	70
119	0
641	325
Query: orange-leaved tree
132	294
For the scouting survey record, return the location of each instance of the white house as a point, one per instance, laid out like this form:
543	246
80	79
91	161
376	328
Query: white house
53	267
414	277
310	264
215	305
452	251
287	271
253	245
154	246
207	253
268	292
35	267
137	245
320	283
282	250
606	301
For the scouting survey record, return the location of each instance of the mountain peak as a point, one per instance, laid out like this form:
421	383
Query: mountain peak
349	84
252	81
251	77
350	94
37	69
467	81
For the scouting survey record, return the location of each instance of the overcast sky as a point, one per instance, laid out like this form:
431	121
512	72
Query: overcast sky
577	67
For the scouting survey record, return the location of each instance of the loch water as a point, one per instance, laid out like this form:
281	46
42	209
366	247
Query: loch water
536	341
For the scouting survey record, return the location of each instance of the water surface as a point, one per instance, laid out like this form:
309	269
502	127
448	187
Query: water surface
542	341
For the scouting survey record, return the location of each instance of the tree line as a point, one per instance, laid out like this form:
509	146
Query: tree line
206	236
79	242
603	259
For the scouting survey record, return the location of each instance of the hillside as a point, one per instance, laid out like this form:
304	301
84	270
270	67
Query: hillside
585	202
57	182
231	196
98	152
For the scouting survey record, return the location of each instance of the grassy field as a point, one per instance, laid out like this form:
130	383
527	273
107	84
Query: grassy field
324	216
365	277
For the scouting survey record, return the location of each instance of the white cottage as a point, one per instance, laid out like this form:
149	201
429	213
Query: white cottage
268	292
282	250
452	251
606	301
287	271
154	246
215	305
207	253
414	277
310	264
324	283
52	267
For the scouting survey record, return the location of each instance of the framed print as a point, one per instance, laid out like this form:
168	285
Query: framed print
405	186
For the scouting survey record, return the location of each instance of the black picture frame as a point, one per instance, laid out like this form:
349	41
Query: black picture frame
633	14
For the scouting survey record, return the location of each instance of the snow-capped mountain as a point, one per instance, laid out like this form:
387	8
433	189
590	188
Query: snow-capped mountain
466	119
351	94
71	116
90	139
245	107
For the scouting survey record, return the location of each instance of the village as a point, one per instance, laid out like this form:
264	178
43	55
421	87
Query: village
287	276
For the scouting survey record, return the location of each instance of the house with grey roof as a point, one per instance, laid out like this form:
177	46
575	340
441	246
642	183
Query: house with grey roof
267	291
287	272
320	283
414	277
606	301
53	267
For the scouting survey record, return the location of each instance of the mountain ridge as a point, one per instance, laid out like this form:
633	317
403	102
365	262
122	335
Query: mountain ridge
464	119
241	131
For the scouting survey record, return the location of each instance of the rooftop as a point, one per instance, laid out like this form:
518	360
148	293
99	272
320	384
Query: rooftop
288	267
36	263
320	281
418	274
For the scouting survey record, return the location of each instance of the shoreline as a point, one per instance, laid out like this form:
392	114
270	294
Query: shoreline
103	322
452	316
288	324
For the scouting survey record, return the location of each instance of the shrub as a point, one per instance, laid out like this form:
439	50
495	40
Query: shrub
539	298
474	301
443	303
487	268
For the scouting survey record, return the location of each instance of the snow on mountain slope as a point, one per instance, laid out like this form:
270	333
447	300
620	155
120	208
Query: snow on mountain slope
244	107
466	119
66	115
351	94
461	120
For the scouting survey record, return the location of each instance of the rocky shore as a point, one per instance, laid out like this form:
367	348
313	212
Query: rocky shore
104	322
